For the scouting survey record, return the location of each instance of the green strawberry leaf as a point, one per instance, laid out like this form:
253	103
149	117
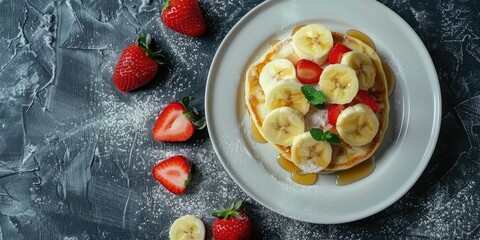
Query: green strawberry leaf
166	4
144	42
198	121
186	101
231	211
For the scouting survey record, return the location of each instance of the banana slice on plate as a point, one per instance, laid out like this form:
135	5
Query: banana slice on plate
287	93
274	71
187	227
363	67
282	125
309	154
339	83
357	125
313	42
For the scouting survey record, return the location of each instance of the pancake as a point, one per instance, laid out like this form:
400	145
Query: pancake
344	156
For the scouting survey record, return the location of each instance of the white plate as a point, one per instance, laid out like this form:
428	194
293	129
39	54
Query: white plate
414	119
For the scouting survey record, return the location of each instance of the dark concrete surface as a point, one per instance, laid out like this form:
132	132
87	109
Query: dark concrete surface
76	155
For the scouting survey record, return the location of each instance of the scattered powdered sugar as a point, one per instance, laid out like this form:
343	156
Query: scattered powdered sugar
120	119
121	187
309	167
316	118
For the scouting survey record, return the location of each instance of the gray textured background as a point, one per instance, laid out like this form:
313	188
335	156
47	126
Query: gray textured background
76	155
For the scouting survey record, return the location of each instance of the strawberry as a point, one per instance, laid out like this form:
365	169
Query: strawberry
308	72
184	16
173	173
177	123
337	53
333	111
232	224
137	65
365	98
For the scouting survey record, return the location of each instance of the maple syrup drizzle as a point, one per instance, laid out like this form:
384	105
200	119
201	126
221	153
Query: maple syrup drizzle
303	179
362	37
390	77
256	135
344	177
355	173
295	30
274	41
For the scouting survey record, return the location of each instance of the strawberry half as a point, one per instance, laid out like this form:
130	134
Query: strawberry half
308	72
184	16
137	65
177	123
232	224
173	173
337	53
333	111
365	98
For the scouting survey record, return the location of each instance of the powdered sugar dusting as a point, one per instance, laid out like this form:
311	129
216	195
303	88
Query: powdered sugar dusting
317	118
76	155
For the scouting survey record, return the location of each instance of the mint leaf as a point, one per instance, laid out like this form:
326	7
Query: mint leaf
317	134
327	136
331	138
313	96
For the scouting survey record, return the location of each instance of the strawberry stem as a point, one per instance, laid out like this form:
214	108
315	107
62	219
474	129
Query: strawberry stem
166	4
198	122
231	211
144	42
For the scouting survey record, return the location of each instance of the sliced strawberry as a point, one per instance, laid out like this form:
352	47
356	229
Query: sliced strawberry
308	72
177	122
337	53
333	111
365	98
173	173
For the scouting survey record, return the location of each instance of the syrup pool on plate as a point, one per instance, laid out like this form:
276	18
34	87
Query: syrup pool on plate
344	177
296	176
356	173
256	135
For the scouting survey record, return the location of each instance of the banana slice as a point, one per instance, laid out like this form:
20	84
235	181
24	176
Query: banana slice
363	66
276	70
313	42
310	155
339	83
287	93
357	125
282	125
187	227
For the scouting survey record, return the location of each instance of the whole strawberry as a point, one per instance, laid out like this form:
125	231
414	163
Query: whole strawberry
137	65
184	16
232	224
